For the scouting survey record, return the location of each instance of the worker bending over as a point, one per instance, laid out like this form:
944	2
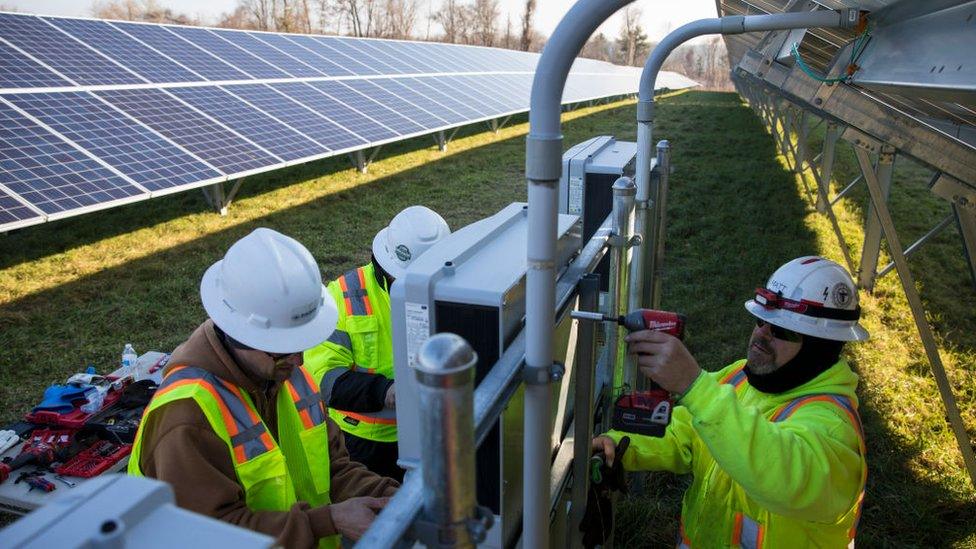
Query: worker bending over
238	427
774	441
355	365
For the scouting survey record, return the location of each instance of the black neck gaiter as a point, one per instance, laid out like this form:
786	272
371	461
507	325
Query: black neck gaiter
383	278
816	356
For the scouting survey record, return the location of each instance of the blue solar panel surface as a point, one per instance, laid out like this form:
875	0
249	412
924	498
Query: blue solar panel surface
364	104
191	130
260	128
338	112
61	52
144	156
19	71
327	133
128	51
93	112
181	51
13	212
49	173
233	55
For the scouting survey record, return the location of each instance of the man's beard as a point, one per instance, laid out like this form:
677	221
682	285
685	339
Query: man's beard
761	362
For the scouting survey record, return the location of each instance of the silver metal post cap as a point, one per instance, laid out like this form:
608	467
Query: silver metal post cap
445	354
624	185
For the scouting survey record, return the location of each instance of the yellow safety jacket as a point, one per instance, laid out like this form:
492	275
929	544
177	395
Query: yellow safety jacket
362	341
770	470
274	475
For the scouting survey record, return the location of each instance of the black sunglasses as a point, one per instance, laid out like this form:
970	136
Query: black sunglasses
780	333
238	345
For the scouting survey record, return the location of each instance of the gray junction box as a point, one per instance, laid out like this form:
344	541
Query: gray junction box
585	188
472	284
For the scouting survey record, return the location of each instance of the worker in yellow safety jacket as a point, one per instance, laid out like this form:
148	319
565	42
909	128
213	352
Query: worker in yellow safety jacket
354	367
774	442
238	427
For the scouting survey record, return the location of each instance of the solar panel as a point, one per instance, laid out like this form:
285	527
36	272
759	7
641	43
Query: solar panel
112	42
134	150
260	128
196	133
269	54
51	174
425	119
19	71
228	52
126	110
338	112
375	110
181	51
327	133
13	213
61	52
421	99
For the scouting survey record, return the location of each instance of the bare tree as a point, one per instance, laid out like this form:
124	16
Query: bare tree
599	47
485	21
526	43
401	16
633	42
509	39
139	10
454	20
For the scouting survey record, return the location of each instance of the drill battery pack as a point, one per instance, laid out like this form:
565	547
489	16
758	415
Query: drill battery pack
643	412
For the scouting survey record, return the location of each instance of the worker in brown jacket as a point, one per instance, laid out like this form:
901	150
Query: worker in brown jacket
238	427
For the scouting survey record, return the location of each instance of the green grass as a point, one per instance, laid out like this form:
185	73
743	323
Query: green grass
73	292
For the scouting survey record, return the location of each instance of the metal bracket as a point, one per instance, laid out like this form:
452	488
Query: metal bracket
616	240
543	376
475	528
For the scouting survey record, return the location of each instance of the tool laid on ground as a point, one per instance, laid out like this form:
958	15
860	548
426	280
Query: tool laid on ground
35	479
44	447
645	412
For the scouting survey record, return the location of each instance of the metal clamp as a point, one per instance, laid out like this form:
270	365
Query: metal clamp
476	528
620	241
544	375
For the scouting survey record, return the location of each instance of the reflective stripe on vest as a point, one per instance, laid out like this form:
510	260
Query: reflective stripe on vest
747	533
683	541
340	337
736	378
353	285
248	434
848	407
306	397
386	416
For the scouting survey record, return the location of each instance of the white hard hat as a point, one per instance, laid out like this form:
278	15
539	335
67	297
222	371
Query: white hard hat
411	233
813	296
267	293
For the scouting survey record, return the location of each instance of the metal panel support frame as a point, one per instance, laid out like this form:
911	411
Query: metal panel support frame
218	199
442	138
496	124
361	161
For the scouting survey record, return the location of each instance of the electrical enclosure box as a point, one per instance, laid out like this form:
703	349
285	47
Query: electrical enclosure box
586	185
472	284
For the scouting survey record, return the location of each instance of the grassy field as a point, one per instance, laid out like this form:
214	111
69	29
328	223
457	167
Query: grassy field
73	292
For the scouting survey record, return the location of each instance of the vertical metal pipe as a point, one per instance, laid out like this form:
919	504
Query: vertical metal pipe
445	385
643	217
661	217
585	367
624	192
543	165
872	226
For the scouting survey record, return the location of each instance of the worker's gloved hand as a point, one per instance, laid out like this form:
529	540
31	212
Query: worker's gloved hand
390	400
8	439
606	476
353	516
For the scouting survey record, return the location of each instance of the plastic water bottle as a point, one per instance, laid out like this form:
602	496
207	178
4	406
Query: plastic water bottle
129	358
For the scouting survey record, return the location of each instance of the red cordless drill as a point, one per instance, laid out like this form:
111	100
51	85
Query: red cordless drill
643	412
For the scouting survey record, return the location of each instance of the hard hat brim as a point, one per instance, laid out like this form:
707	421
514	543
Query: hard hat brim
837	330
383	257
275	339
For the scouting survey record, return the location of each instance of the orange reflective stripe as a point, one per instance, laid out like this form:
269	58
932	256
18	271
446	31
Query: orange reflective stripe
362	284
737	530
345	292
735	378
369	419
250	410
685	541
302	413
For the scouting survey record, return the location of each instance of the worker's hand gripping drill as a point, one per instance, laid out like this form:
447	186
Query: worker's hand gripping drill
654	339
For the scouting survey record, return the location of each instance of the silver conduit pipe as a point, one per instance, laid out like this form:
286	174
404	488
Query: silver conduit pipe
735	24
542	169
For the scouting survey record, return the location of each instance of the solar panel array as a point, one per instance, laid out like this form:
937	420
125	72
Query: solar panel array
97	113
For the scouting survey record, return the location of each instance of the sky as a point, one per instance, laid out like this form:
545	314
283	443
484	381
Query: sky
659	16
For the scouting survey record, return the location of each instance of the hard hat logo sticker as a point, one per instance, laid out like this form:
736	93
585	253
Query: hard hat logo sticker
842	294
403	253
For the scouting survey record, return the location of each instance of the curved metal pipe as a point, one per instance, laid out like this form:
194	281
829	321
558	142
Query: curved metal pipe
542	169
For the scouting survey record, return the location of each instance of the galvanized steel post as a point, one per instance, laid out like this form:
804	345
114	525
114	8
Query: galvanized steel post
445	384
622	230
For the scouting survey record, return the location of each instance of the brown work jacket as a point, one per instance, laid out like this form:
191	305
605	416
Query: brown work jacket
180	447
